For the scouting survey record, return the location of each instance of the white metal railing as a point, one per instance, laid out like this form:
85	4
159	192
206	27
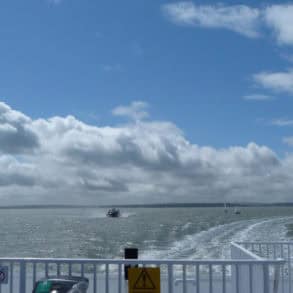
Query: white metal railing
275	250
186	276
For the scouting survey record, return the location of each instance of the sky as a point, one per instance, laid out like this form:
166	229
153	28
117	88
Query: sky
137	101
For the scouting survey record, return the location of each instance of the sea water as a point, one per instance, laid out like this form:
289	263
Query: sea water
157	232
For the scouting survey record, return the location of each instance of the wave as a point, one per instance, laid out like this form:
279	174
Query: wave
215	242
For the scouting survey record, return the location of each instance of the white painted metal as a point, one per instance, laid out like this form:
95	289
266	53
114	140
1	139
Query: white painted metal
275	250
201	276
247	271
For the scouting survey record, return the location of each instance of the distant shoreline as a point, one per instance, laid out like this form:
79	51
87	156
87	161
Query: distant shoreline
157	205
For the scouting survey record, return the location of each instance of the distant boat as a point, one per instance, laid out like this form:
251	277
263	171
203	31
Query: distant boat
225	208
113	213
237	211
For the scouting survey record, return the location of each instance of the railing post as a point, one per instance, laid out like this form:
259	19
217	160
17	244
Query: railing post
276	278
170	278
266	279
22	276
107	278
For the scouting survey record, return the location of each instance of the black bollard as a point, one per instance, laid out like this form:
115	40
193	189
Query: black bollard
129	253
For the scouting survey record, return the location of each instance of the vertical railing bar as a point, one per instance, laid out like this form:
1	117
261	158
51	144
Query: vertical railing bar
184	278
276	278
46	269
289	268
22	275
197	279
119	278
250	278
267	252
82	269
95	278
0	284
266	285
283	269
260	249
223	278
237	278
34	273
11	278
274	251
58	269
210	279
70	269
170	278
107	278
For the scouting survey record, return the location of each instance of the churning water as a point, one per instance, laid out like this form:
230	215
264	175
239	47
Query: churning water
157	232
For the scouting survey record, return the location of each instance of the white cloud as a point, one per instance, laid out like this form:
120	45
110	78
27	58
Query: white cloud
238	18
55	1
257	97
277	81
16	133
136	110
246	20
288	140
282	122
112	68
280	19
152	161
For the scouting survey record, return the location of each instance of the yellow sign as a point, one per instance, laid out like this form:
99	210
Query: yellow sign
144	280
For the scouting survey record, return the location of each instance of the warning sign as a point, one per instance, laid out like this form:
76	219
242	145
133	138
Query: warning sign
144	280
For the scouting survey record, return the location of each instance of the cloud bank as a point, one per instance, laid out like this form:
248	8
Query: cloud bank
63	160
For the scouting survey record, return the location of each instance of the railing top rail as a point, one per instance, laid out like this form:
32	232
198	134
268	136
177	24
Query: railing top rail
246	251
144	261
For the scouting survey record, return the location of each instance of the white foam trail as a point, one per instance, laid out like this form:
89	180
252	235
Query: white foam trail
256	231
186	226
215	242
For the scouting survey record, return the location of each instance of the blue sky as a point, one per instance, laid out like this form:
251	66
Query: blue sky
86	57
218	72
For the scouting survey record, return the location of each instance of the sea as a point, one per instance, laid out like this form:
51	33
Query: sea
158	233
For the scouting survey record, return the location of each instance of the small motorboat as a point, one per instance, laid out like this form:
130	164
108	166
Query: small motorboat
237	211
113	213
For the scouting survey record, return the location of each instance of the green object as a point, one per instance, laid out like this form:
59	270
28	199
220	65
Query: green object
44	287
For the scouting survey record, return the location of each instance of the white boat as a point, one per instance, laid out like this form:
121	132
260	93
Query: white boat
237	211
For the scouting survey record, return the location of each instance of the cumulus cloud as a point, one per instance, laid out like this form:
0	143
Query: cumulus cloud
137	110
16	133
243	19
280	19
238	18
142	161
277	81
282	122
